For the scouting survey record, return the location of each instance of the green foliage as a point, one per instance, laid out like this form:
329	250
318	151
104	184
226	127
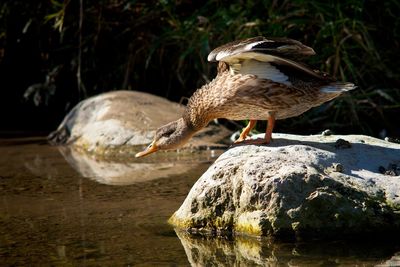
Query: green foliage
161	47
58	16
355	41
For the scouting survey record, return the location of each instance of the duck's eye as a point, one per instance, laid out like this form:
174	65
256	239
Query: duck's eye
168	133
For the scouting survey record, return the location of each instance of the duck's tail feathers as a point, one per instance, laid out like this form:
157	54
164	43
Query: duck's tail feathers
338	87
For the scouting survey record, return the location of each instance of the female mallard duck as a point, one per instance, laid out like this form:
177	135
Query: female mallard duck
257	79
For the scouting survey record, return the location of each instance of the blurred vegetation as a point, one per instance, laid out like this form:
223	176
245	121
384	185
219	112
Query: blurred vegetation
54	53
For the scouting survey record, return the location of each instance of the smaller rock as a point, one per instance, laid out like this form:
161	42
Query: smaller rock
382	169
394	167
119	123
392	170
392	140
327	132
342	144
337	167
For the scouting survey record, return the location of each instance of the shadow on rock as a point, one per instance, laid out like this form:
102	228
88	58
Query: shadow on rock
349	151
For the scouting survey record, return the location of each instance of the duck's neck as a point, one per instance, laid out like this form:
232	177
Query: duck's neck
196	118
205	103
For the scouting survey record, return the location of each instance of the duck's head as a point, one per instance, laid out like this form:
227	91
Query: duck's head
170	136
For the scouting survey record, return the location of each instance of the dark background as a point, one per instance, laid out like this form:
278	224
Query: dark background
161	47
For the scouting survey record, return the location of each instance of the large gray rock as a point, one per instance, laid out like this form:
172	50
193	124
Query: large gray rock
119	122
298	186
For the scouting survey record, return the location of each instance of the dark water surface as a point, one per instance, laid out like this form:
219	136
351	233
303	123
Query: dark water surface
59	208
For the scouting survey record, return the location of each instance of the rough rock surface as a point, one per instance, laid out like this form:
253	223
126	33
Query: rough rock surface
298	186
120	121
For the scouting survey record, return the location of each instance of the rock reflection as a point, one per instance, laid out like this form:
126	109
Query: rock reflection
131	171
248	251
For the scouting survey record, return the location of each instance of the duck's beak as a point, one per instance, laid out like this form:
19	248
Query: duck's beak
150	149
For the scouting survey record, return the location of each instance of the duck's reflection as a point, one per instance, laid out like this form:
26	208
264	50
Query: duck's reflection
248	251
130	171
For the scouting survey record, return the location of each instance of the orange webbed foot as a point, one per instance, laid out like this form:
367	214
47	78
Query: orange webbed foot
245	132
241	139
258	141
261	141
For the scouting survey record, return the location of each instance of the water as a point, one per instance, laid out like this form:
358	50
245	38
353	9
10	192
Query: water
61	208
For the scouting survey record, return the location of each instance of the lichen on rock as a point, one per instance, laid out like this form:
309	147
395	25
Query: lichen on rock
294	187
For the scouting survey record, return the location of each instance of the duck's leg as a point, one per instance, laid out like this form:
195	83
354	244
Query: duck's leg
267	137
270	127
246	131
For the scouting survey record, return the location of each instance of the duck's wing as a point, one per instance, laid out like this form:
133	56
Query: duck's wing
264	58
283	47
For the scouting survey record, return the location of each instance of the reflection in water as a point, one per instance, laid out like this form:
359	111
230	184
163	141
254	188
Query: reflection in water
52	215
250	251
134	170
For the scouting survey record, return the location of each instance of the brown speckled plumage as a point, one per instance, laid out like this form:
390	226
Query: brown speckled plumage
257	79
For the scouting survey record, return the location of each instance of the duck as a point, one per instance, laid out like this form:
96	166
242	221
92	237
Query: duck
257	78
